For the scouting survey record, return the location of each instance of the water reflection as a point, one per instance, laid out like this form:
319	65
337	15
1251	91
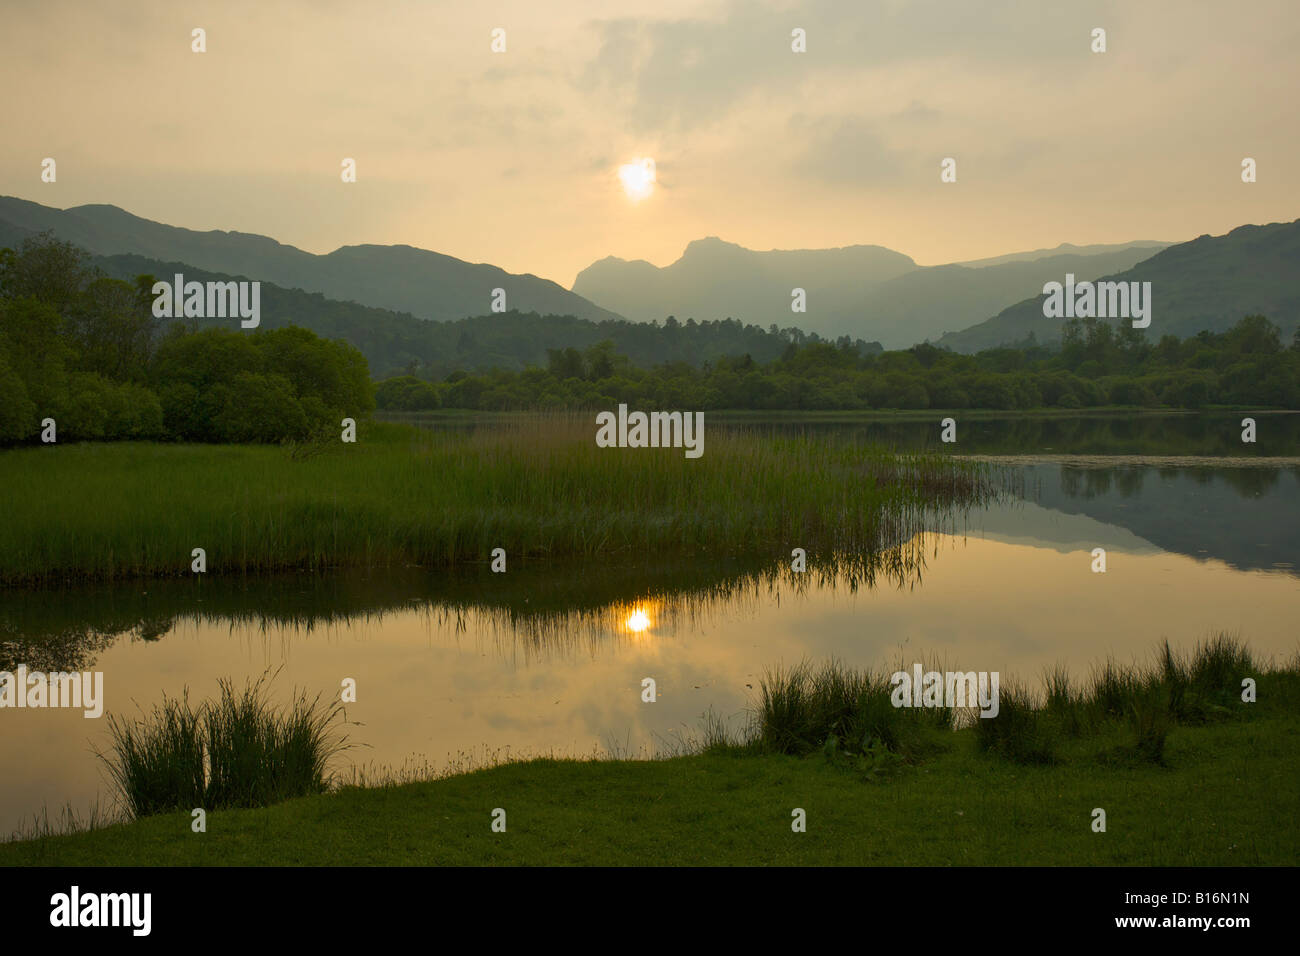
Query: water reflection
550	659
1209	434
1246	517
1212	434
532	612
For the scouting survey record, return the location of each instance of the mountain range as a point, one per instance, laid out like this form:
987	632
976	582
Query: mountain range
866	292
861	291
401	278
1206	284
398	342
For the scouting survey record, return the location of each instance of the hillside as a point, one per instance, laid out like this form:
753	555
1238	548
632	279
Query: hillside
716	280
1208	283
862	291
426	284
398	341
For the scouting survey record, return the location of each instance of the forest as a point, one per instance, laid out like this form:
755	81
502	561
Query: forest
1097	364
84	351
397	343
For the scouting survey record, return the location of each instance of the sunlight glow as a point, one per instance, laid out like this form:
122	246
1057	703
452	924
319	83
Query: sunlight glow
638	621
638	178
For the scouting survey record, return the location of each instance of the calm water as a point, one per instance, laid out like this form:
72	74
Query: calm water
550	660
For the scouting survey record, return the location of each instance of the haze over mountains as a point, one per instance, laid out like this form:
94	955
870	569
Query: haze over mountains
863	291
399	343
1208	283
402	278
867	292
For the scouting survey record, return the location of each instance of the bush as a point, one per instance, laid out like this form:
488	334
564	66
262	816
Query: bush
256	408
407	394
18	418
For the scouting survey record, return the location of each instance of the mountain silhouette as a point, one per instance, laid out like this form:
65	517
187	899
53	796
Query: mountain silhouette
400	278
867	292
1208	283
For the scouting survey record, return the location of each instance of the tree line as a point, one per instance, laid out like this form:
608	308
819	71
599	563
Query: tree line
398	343
85	350
1096	364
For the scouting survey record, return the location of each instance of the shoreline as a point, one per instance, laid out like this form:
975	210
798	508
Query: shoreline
1218	803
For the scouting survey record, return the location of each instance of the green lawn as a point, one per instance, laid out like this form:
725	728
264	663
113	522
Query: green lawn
1229	795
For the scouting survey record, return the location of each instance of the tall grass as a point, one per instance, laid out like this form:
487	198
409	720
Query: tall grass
239	750
159	764
1021	731
538	487
804	709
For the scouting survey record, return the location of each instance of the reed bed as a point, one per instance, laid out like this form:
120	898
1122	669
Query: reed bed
538	487
1134	707
239	750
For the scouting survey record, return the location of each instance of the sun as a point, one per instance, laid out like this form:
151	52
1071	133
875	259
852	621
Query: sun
635	621
638	178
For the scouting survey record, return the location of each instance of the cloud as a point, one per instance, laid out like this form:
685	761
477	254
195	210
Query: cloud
687	73
683	73
845	151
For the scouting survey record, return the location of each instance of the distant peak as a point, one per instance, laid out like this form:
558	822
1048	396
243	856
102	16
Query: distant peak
709	243
104	207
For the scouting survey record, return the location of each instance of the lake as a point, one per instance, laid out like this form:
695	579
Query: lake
1201	534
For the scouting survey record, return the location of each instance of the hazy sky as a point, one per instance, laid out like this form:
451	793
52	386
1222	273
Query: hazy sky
511	158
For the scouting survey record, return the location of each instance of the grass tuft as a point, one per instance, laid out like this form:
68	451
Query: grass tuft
239	750
1021	731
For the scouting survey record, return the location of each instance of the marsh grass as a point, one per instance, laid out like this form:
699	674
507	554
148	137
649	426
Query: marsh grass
157	763
536	486
1022	731
239	750
1151	716
67	820
841	711
838	711
1201	686
1059	706
258	755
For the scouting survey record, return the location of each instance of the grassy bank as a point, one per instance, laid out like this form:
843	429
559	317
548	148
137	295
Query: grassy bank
1187	772
539	489
1228	795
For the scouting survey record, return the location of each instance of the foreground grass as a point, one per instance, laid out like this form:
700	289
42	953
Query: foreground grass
1228	795
239	750
404	496
1187	772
